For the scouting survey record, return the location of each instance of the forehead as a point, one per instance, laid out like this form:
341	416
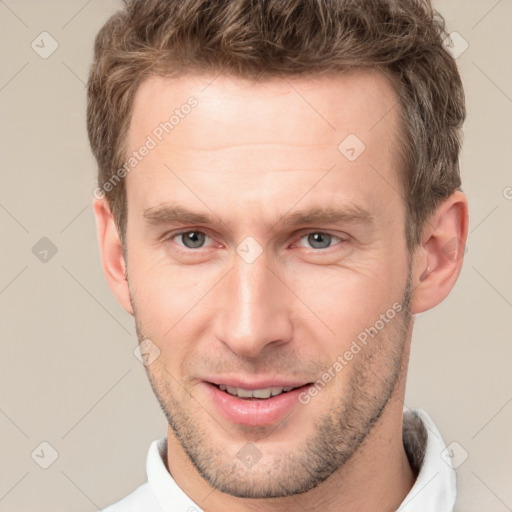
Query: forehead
325	107
229	134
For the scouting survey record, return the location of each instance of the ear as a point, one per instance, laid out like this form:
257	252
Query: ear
111	248
438	261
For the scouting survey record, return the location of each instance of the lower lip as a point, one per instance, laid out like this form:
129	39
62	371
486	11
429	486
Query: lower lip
254	412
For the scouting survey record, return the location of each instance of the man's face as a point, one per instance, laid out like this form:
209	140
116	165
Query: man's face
258	254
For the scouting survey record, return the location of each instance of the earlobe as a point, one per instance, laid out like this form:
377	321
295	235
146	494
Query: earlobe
438	261
111	249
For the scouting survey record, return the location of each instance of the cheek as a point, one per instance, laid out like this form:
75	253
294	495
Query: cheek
349	299
171	304
162	290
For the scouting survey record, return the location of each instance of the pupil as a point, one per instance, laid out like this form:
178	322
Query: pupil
193	239
319	240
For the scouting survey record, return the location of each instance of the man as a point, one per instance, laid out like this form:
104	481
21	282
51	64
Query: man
278	196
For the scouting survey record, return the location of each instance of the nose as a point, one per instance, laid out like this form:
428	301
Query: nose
253	309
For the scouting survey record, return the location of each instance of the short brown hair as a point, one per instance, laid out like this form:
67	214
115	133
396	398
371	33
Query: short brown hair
268	38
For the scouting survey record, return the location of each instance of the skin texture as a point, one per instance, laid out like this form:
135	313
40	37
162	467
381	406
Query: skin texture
251	155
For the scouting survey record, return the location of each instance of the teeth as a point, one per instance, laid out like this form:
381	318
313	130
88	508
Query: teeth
262	393
243	393
255	393
276	391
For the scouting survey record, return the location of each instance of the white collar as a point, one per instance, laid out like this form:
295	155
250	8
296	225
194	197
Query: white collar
435	486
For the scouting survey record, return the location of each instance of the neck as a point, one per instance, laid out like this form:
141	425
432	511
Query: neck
378	476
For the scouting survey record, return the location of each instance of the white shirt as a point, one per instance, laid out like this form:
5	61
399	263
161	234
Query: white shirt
433	491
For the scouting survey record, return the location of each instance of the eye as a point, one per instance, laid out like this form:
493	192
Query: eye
191	239
319	240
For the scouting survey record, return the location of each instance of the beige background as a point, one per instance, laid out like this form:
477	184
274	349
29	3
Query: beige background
68	375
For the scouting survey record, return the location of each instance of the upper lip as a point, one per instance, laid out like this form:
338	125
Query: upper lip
261	383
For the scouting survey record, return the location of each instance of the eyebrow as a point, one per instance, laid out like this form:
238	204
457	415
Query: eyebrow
168	213
328	215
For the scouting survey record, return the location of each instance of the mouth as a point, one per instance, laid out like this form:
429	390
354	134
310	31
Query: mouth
259	394
259	405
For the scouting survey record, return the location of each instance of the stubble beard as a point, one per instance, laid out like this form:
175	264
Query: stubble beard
338	433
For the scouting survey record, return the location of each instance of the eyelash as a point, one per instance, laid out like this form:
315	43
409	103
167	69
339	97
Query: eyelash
299	236
303	234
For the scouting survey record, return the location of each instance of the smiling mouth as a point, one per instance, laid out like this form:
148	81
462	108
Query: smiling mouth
256	394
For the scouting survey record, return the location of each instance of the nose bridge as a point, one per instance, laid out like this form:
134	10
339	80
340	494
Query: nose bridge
254	309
